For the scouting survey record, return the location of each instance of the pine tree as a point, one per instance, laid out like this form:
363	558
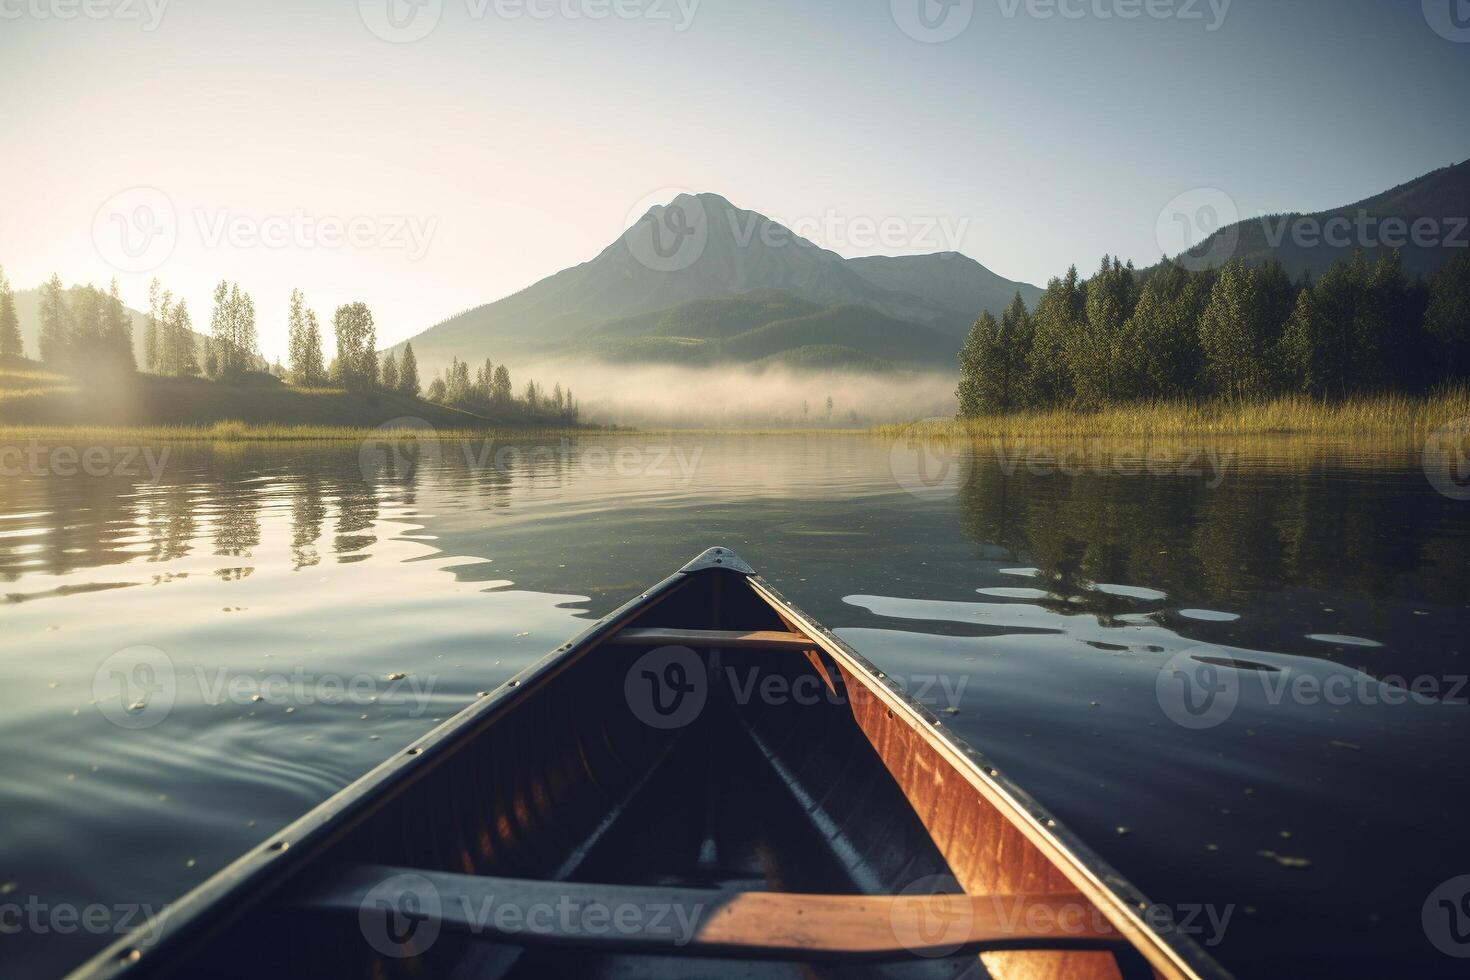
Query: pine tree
1241	329
973	392
357	356
184	359
86	332
246	351
500	391
1160	350
1447	320
1094	354
457	387
312	371
118	329
1304	348
1017	335
1058	319
55	332
408	373
1391	344
993	362
296	341
10	342
221	327
167	353
150	329
389	373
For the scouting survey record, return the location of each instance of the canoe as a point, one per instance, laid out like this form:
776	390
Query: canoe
705	783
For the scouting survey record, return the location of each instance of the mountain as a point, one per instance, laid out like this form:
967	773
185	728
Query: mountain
950	279
1312	242
767	327
28	310
700	280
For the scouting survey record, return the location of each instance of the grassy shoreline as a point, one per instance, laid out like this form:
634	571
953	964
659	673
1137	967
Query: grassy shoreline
1397	416
267	432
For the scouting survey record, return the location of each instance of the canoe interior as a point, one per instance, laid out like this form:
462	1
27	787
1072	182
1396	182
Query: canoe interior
562	781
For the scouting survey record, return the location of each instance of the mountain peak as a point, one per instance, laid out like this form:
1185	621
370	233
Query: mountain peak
717	250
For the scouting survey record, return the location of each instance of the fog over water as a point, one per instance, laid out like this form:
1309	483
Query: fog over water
685	397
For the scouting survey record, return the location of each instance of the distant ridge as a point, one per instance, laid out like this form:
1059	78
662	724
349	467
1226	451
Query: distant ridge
638	302
1304	243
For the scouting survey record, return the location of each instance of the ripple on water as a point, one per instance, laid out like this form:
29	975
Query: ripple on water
1209	615
1004	593
1236	663
1132	592
1341	639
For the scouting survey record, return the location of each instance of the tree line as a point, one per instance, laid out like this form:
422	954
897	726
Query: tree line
491	391
1240	332
83	328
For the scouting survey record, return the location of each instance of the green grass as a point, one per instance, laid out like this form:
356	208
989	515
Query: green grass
1397	416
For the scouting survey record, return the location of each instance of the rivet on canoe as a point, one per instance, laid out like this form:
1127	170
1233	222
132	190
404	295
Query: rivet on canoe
280	845
995	772
515	684
130	955
414	751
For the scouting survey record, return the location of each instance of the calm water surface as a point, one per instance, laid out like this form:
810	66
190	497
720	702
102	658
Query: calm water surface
280	592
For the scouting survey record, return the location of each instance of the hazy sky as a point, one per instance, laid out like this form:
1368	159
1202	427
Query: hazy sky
285	143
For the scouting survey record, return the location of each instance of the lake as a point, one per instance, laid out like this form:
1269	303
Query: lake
201	642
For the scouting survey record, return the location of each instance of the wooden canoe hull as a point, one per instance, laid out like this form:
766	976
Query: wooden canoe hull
802	803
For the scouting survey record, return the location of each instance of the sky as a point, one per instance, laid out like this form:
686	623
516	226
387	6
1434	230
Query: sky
427	156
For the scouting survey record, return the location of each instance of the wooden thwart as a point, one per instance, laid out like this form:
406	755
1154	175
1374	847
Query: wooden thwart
725	639
700	922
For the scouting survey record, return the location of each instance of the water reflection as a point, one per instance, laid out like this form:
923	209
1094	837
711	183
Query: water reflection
1055	599
1268	539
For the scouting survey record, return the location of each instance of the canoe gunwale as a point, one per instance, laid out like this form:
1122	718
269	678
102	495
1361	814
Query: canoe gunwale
1172	955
